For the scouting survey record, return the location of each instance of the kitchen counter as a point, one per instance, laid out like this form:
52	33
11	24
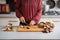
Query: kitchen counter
31	35
7	18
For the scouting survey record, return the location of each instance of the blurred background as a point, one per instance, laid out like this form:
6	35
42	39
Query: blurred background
51	11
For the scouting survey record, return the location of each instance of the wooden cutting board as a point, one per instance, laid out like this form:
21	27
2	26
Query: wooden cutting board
31	29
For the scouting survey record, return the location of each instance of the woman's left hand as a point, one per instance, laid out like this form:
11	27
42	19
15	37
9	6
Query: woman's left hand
32	22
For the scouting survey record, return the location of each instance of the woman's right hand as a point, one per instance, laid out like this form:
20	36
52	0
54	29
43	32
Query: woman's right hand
22	19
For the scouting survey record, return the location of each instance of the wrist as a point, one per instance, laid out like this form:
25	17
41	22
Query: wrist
33	21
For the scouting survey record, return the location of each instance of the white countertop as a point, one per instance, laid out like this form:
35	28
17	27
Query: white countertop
32	35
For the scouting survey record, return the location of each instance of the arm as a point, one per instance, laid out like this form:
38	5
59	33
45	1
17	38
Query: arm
38	15
17	9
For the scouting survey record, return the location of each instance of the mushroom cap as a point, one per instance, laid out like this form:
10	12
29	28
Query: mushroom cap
51	24
41	24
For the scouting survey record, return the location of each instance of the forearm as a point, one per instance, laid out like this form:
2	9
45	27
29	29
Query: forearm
18	14
38	14
37	17
17	9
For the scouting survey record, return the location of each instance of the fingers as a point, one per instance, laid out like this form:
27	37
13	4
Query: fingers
22	19
32	23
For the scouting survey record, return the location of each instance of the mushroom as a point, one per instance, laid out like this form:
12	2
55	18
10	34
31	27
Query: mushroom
48	27
41	24
51	24
8	27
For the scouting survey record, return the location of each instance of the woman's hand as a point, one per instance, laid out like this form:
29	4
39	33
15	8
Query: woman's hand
22	19
32	22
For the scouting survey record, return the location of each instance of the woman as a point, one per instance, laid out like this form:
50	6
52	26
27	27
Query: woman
29	11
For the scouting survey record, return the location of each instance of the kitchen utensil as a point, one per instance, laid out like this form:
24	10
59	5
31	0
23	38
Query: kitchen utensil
23	23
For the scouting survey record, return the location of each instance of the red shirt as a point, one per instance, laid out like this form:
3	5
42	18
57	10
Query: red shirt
29	9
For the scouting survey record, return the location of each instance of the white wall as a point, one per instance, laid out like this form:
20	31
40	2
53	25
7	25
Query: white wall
2	1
